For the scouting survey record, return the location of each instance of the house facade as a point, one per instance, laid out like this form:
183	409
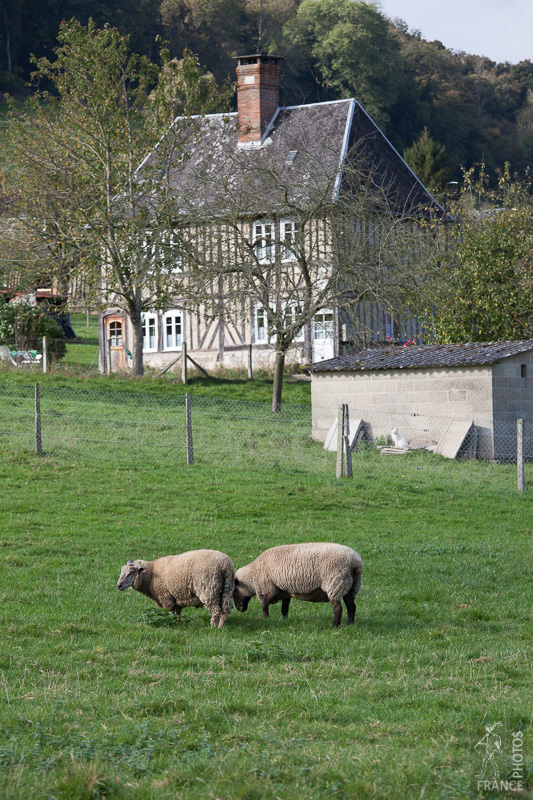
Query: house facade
260	184
422	389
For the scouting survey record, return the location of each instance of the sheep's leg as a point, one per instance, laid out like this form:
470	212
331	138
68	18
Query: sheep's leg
265	602
349	602
337	613
285	607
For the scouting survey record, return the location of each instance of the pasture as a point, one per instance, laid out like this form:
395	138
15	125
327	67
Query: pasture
105	697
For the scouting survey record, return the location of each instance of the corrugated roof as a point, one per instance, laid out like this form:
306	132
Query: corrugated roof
424	356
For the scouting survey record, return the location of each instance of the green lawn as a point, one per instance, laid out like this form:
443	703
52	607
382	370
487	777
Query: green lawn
102	697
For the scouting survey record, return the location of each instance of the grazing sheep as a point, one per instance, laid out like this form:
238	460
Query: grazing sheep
398	440
196	578
315	571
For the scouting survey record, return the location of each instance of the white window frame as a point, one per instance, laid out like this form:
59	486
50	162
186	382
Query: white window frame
150	249
260	312
288	236
264	240
320	326
175	317
292	306
147	318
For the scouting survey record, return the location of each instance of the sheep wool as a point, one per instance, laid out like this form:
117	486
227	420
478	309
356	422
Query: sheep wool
196	578
319	572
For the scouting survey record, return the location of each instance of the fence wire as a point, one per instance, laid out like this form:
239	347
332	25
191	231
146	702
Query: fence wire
127	428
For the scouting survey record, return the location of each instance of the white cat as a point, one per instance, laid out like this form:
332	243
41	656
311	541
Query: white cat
398	440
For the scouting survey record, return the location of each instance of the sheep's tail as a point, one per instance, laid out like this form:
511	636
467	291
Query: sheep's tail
357	578
226	595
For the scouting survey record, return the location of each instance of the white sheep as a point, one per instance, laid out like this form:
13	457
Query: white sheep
320	572
398	440
195	578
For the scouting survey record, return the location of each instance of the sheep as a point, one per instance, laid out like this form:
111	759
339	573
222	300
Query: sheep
398	440
195	578
315	571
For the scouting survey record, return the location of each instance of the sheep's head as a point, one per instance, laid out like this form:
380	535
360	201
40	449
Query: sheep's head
129	572
241	594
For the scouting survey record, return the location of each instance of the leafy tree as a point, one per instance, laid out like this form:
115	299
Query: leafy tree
480	285
351	52
83	210
429	161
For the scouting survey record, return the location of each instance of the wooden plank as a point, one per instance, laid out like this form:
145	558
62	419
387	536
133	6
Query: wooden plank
331	439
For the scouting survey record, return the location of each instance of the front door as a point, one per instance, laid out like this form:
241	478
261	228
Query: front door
115	342
322	329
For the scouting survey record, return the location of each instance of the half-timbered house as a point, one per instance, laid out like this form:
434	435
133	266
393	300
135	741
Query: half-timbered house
256	187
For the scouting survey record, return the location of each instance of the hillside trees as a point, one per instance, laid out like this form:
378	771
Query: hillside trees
83	213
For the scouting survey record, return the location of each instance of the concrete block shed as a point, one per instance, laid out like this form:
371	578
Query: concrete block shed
422	389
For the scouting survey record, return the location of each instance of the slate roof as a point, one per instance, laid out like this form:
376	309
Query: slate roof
423	357
209	171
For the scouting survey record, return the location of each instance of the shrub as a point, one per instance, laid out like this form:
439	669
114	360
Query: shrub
23	325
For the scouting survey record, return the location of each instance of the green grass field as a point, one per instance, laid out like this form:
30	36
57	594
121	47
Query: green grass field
103	697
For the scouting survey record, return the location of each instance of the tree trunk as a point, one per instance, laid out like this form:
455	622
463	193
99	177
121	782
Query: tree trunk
137	349
278	382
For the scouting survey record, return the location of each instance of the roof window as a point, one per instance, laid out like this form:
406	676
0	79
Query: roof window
291	156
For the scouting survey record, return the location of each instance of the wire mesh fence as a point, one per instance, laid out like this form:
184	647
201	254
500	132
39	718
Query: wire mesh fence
125	428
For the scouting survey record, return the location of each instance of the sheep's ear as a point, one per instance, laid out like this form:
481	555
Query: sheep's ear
130	561
142	569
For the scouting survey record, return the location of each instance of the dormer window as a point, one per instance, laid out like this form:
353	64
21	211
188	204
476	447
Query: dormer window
291	156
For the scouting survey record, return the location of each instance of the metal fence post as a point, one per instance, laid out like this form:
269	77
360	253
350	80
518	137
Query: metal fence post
45	355
38	437
190	452
340	441
520	455
184	363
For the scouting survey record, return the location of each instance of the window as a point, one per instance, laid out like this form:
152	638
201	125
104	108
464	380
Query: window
260	325
149	331
163	253
292	310
115	333
264	241
289	239
172	330
323	325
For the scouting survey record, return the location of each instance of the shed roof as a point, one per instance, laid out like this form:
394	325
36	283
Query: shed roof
423	356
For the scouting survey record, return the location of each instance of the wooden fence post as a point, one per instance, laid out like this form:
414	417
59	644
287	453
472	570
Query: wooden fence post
190	452
184	378
250	363
340	441
347	450
520	454
38	438
45	355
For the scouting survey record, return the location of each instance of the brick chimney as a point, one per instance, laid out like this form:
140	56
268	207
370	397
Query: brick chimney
257	96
